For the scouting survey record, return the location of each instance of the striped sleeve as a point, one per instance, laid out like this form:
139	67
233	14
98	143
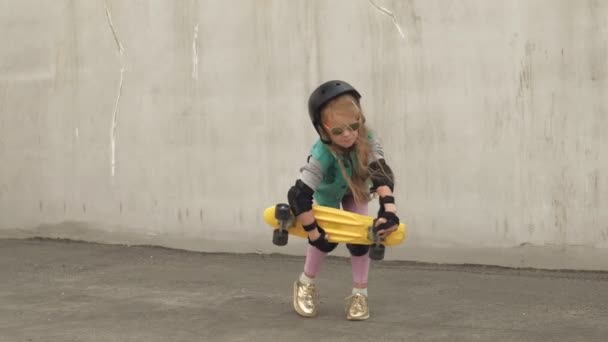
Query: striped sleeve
312	173
377	152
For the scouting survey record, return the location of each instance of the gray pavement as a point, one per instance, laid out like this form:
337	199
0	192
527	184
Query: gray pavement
54	290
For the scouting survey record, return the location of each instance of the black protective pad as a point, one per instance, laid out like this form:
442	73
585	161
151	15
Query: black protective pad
321	243
381	174
387	199
300	198
357	250
391	220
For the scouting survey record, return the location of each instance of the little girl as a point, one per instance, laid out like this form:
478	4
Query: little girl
345	167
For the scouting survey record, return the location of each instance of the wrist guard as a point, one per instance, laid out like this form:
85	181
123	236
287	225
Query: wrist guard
384	200
321	243
311	226
391	220
387	199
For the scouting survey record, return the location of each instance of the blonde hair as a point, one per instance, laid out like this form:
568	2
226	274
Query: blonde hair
347	105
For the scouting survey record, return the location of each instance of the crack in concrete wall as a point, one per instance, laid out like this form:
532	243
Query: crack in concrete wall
114	124
391	15
118	43
195	54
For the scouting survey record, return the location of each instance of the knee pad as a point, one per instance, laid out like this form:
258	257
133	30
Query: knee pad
327	247
357	250
300	198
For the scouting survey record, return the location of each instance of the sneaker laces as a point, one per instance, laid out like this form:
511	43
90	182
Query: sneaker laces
308	292
357	303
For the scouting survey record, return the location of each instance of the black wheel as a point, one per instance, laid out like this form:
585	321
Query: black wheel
282	212
280	237
376	252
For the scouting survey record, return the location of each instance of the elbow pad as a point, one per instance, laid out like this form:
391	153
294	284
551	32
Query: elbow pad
300	198
381	174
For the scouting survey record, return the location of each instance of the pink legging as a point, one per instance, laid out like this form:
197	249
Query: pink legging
359	264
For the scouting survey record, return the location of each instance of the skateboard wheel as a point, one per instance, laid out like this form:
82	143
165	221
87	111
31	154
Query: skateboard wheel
280	237
376	252
282	212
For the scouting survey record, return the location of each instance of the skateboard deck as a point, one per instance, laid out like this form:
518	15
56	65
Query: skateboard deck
341	226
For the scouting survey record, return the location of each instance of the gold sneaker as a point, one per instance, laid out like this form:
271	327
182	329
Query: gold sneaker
357	308
305	299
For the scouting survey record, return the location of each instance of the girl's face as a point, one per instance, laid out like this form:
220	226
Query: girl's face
343	130
341	120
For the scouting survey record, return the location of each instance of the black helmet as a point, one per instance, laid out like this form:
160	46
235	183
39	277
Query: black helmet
325	93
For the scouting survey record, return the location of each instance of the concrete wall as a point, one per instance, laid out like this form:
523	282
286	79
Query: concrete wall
177	123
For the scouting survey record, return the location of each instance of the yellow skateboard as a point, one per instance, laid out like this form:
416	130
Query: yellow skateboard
341	226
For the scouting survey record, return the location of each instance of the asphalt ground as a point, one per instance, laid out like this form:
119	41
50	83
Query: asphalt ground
58	290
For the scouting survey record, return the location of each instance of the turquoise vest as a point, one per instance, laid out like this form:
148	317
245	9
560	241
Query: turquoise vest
333	186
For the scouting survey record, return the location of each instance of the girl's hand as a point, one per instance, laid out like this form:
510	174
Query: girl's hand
386	223
318	238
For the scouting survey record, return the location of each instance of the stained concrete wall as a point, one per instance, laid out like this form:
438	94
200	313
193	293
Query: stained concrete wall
177	123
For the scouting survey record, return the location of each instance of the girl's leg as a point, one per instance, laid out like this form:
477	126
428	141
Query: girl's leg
360	267
357	307
305	295
314	260
359	253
